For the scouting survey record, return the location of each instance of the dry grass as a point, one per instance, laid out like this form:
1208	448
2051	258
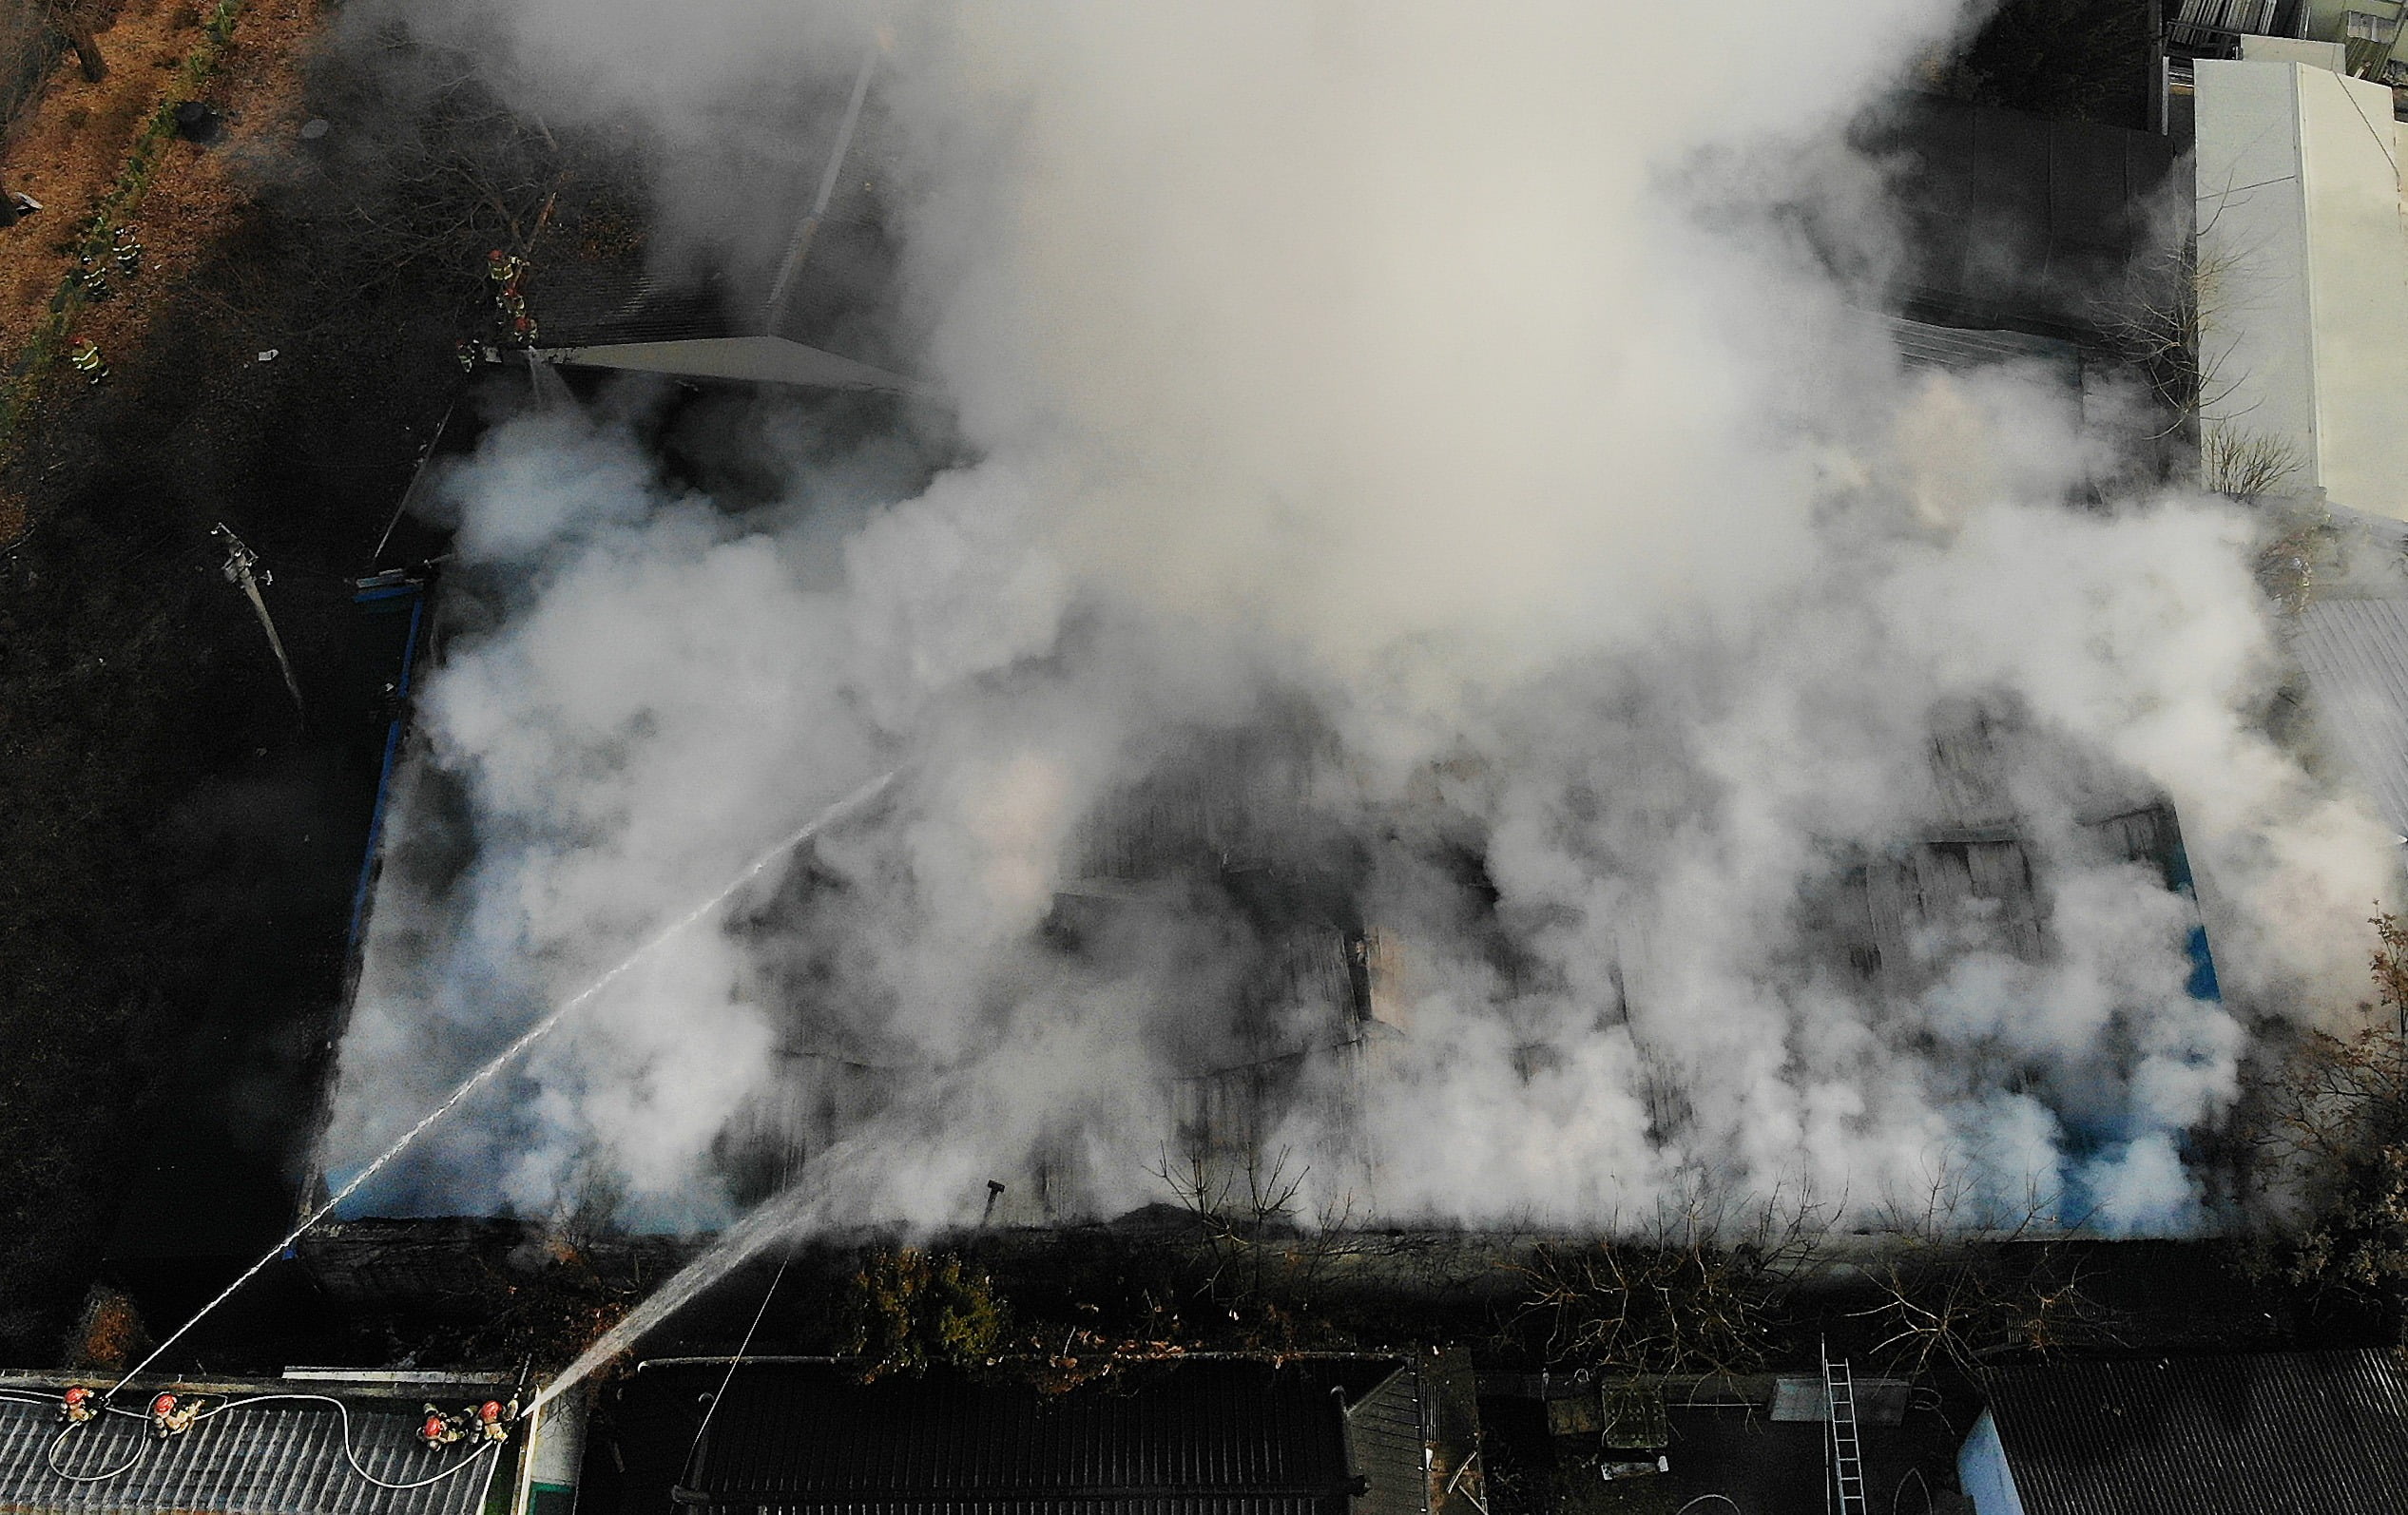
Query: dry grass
73	153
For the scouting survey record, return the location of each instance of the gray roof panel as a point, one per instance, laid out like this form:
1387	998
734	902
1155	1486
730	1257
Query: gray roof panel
1190	1438
2270	1433
284	1457
2354	653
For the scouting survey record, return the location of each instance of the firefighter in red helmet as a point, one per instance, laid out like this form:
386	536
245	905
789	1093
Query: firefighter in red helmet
493	1418
79	1405
171	1417
441	1429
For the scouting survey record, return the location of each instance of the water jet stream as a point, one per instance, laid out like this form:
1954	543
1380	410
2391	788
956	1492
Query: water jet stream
525	1040
773	1219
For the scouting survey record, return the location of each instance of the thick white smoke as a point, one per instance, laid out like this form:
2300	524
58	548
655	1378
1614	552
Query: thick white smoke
1384	433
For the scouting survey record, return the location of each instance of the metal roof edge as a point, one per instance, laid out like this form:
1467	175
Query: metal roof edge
759	359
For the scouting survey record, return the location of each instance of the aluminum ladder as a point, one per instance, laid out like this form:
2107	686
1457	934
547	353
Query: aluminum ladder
1848	1452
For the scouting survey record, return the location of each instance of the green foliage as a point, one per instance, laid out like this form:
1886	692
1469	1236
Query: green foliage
909	1309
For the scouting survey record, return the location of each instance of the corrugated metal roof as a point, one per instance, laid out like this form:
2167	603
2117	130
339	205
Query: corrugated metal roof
1386	1439
2354	653
273	1459
591	305
1219	1438
1956	349
2275	1433
1196	1505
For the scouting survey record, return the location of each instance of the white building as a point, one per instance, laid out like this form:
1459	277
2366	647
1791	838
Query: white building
2303	261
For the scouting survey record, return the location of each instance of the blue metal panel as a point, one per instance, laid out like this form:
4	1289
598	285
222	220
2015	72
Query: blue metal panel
1982	1471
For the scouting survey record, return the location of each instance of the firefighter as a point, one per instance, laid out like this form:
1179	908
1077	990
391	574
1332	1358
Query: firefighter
93	278
440	1430
79	1405
464	352
127	252
523	330
504	269
171	1417
493	1418
86	355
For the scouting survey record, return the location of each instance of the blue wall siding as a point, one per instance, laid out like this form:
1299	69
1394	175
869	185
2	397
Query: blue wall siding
1982	1473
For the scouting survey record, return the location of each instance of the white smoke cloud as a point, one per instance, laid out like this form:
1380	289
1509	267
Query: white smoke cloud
1380	423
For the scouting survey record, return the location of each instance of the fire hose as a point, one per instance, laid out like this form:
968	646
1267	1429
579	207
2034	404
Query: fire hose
350	1454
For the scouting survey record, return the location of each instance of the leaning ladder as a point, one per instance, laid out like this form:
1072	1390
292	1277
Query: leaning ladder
1848	1452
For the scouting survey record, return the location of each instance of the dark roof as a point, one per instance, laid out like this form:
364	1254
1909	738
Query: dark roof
285	1457
2015	221
1194	1438
2275	1433
1956	350
778	262
836	295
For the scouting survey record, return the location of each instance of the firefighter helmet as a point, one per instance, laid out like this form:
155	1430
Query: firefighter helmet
490	1412
163	1405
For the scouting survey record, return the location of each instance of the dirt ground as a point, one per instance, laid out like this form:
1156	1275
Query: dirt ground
176	849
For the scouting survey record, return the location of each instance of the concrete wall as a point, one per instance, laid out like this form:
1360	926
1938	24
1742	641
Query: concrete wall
1982	1471
2304	273
2332	56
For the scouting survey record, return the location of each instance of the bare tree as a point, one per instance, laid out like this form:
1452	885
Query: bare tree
1691	1292
2162	319
1257	1250
2234	460
436	167
1971	1294
2333	1143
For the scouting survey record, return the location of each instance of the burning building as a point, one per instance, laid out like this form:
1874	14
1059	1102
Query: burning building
1793	809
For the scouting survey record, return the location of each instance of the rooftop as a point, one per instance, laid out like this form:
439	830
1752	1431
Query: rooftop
2355	654
1189	1438
267	1449
2272	1434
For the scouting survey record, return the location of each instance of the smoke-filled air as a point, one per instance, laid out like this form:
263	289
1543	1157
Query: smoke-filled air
1416	625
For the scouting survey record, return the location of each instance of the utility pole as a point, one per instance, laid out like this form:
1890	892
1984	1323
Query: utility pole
243	570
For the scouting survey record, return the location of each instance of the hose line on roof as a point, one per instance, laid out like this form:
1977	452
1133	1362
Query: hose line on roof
342	1410
60	1440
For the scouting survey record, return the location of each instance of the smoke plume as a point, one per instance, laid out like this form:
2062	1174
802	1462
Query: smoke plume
1430	637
